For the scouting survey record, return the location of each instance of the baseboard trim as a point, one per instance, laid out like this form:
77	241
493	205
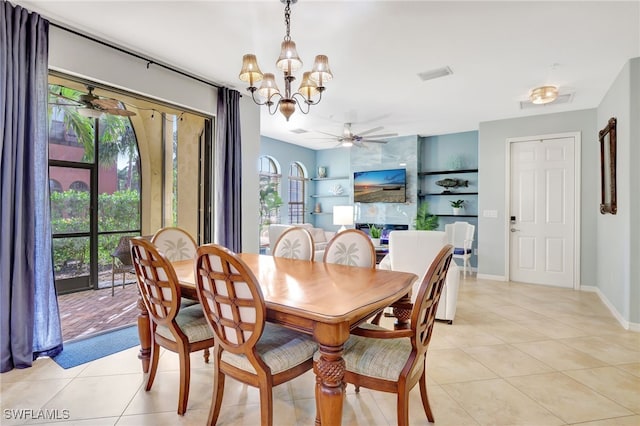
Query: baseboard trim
491	277
631	326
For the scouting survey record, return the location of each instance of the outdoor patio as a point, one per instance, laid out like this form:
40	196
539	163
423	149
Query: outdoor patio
89	312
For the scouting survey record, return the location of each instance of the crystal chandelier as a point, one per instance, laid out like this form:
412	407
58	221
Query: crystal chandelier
312	84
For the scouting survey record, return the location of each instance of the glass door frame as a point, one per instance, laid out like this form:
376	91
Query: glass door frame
69	285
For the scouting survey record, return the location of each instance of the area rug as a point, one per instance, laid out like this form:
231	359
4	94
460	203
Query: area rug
91	348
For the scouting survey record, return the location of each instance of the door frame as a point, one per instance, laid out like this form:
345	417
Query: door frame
577	138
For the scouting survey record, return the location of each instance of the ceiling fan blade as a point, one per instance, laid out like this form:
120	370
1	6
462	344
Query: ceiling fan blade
61	96
106	103
366	132
329	134
118	111
372	141
382	135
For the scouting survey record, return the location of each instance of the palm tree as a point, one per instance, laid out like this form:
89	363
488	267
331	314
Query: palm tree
116	134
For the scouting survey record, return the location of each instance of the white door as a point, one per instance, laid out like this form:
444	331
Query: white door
542	212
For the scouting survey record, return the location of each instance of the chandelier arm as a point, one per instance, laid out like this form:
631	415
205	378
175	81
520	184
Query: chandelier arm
300	104
304	100
269	102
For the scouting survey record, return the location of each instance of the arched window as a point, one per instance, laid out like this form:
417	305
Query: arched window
54	186
297	178
79	186
270	200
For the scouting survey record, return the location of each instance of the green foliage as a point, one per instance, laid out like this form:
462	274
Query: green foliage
457	203
270	201
424	220
374	232
70	213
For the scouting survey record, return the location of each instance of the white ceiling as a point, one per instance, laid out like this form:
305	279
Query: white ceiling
498	52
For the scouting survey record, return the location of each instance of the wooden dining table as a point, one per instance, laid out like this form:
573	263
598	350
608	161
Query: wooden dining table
324	300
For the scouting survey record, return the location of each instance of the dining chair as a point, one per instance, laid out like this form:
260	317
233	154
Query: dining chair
247	348
394	361
413	251
179	329
295	243
175	243
351	247
121	261
460	235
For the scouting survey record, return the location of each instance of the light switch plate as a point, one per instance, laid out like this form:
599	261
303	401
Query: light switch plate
490	213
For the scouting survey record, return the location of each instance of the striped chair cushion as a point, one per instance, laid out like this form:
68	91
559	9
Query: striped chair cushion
193	324
378	358
279	347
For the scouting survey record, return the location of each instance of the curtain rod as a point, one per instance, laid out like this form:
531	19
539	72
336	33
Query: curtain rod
147	60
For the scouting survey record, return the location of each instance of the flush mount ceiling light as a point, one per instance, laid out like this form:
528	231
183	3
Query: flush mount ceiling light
312	81
543	95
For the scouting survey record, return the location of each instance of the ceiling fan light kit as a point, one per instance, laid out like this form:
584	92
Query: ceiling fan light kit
543	95
90	112
288	62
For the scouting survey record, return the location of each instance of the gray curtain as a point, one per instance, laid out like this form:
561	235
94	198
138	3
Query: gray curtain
228	166
29	319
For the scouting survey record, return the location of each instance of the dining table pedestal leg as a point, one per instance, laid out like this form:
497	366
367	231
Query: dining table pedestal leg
329	386
329	370
144	332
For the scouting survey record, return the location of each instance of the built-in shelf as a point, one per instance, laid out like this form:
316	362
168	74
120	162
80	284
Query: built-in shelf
456	215
447	172
447	193
330	178
328	195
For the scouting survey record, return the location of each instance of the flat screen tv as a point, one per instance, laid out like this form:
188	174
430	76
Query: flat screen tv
380	186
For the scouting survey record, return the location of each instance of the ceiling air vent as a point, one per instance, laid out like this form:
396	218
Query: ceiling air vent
298	131
435	73
561	99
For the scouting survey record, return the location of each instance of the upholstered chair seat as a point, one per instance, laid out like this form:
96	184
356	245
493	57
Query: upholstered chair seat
280	348
191	321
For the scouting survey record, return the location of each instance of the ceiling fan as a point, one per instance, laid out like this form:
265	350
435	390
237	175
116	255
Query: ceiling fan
90	105
349	138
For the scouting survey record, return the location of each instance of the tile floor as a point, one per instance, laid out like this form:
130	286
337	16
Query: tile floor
515	355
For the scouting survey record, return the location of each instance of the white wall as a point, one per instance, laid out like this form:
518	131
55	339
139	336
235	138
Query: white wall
84	58
250	128
617	251
491	164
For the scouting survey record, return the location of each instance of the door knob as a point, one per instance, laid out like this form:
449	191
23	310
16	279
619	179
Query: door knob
514	230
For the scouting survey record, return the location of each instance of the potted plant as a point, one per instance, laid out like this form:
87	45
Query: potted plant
424	220
375	233
457	206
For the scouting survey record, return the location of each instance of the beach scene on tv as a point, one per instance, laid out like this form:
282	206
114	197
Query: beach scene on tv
380	186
